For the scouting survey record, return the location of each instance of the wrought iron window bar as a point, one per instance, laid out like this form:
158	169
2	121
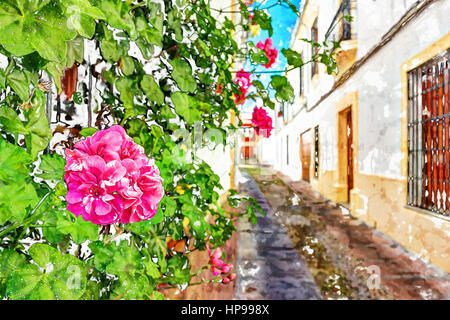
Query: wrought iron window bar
340	29
429	136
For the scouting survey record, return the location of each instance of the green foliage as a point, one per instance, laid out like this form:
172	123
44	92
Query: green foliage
64	276
282	87
14	162
182	73
293	57
152	90
264	21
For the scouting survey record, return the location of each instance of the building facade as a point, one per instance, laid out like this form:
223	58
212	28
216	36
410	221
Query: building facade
374	137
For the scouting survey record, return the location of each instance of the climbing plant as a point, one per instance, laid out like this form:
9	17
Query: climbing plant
154	68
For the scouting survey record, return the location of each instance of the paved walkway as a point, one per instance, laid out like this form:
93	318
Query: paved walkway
346	258
269	266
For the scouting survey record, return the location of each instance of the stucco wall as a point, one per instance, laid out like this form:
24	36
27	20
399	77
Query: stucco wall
379	195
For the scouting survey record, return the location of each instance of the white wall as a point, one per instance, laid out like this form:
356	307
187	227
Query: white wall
378	84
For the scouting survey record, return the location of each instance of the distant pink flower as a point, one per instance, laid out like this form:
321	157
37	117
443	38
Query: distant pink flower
243	81
262	122
218	266
272	53
215	257
227	267
110	179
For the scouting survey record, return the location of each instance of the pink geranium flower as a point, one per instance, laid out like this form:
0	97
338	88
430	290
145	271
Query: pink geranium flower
93	192
110	179
271	53
262	122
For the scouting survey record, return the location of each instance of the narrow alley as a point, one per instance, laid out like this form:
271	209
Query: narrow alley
309	248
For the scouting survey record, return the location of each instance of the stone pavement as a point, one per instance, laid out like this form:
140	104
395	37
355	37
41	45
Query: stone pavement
347	258
268	265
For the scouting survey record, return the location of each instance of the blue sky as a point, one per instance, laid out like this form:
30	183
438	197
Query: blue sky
283	23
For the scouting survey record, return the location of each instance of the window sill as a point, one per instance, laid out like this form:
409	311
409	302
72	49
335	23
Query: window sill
428	213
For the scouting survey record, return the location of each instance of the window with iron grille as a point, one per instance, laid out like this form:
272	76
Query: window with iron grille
316	152
340	29
429	136
314	49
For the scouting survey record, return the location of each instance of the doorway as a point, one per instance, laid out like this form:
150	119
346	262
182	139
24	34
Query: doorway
345	155
306	140
349	153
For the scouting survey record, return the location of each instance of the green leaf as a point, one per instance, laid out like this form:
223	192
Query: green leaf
10	260
125	260
263	20
51	233
14	162
178	271
37	132
89	131
151	89
20	83
152	30
10	121
83	24
127	64
283	88
169	204
258	56
293	57
82	7
2	79
64	277
79	229
92	291
102	254
186	106
108	46
55	70
174	21
151	268
146	48
14	201
81	15
182	74
52	166
136	287
156	295
35	127
117	15
126	86
27	26
75	51
43	254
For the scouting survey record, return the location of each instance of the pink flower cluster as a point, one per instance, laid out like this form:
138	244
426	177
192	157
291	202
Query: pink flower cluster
219	267
110	179
272	53
243	81
262	122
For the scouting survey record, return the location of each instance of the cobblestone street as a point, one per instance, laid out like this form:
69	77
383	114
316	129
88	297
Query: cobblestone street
309	248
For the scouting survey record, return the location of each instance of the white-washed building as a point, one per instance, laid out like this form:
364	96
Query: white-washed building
375	136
